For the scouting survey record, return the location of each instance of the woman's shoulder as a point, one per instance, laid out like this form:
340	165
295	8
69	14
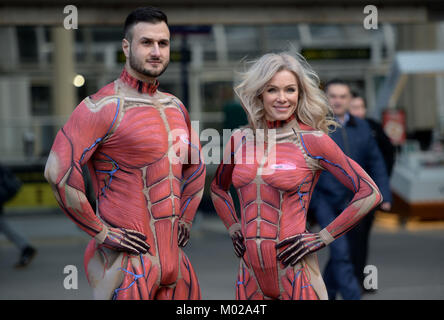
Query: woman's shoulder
316	142
305	127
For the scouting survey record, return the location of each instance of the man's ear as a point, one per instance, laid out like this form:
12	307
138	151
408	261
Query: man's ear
126	47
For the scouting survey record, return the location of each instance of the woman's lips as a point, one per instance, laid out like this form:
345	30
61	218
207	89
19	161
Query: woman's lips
282	108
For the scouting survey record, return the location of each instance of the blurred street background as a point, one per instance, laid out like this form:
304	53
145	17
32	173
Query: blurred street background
409	260
392	54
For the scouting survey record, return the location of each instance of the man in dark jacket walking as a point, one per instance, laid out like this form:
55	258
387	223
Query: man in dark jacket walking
359	236
330	197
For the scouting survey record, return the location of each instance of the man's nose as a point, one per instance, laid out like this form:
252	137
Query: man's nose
156	51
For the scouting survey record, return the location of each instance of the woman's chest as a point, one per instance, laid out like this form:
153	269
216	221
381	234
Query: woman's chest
282	166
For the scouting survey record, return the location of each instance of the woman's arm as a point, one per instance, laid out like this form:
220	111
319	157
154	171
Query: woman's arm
222	200
366	197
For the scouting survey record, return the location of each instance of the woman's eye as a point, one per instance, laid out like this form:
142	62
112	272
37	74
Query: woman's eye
291	90
270	90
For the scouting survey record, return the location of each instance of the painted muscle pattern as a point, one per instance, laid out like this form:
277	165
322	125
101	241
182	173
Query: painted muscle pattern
367	195
147	190
279	260
72	148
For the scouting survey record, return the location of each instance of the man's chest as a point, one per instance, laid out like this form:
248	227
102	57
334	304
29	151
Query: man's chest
147	133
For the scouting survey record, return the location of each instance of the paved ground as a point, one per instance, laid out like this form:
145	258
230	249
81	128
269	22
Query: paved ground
409	261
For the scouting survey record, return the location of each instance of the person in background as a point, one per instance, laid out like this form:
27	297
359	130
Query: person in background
359	236
9	186
358	108
355	139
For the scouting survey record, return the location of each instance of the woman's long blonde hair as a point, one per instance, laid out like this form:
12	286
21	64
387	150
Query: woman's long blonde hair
312	109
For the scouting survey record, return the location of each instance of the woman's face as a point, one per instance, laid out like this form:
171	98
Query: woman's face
280	96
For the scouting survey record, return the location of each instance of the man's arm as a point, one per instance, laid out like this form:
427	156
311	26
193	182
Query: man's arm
192	187
377	169
193	180
88	126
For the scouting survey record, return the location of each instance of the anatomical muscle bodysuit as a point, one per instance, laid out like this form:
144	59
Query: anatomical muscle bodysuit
147	189
274	188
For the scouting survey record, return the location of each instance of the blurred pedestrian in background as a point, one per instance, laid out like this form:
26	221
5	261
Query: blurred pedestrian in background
9	186
330	197
358	108
359	236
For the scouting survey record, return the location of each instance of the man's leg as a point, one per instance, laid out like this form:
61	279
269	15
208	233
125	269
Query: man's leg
355	239
359	242
339	274
120	276
329	280
324	215
11	234
27	251
246	285
342	269
186	287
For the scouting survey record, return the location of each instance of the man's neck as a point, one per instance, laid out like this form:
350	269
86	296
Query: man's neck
138	75
342	118
137	84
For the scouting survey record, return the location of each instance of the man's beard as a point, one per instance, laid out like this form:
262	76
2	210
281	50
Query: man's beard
137	65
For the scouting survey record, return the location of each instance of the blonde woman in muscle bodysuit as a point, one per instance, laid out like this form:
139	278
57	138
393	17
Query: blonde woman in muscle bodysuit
276	251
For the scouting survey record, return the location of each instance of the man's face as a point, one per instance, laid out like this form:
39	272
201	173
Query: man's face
148	53
357	107
339	97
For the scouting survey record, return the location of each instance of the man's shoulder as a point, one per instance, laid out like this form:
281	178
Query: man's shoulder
374	125
104	100
360	124
172	97
104	92
174	100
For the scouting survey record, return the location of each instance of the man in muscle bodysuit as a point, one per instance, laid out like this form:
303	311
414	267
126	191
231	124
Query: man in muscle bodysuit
132	136
275	184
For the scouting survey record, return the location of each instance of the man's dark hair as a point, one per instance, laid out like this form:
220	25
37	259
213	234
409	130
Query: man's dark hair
145	14
356	94
336	81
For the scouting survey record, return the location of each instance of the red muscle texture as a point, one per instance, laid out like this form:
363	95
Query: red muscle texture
193	179
274	193
136	147
222	199
349	173
72	148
